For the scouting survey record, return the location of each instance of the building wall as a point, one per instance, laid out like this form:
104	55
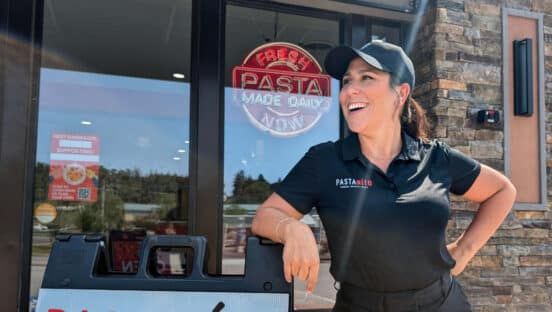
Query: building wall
458	59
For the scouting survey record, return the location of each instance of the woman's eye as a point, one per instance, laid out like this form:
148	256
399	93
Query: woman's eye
346	81
366	77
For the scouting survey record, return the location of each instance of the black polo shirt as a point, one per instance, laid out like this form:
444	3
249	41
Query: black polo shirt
386	231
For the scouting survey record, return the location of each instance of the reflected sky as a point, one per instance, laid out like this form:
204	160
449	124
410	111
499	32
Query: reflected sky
259	152
142	123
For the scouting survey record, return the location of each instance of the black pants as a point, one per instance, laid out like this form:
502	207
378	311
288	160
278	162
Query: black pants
444	295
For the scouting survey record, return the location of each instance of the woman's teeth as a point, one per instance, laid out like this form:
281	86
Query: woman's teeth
356	106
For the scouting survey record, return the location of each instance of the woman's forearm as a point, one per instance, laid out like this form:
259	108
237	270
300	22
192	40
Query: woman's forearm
490	215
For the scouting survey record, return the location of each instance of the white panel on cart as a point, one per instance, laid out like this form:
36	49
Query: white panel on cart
79	300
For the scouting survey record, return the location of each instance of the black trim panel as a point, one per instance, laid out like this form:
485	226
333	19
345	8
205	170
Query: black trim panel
18	110
207	109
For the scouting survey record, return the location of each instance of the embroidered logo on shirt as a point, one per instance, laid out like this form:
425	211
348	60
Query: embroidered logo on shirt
344	183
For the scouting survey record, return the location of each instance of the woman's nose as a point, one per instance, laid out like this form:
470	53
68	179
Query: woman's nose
352	89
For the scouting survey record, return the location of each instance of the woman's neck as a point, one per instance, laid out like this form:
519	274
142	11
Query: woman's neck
383	144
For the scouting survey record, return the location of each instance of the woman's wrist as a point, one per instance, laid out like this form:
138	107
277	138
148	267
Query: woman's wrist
280	229
465	248
293	228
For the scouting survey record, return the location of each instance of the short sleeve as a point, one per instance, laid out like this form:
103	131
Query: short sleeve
462	169
300	187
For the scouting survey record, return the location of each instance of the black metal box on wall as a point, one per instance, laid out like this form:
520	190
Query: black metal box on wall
523	77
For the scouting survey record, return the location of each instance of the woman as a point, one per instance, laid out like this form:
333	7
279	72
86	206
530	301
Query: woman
383	196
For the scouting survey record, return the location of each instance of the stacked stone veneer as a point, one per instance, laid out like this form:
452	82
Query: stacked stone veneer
458	58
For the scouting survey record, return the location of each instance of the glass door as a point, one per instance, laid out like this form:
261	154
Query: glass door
113	128
278	103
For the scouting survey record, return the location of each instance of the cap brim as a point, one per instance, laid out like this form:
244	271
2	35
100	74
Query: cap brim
338	59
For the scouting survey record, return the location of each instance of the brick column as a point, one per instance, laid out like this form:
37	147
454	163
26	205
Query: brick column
458	58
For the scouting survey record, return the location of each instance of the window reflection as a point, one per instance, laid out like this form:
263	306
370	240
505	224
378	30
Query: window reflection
278	103
113	128
140	184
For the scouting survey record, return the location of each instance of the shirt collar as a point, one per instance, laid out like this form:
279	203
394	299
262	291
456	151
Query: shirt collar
410	148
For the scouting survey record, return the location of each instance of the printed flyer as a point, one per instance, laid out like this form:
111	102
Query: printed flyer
74	167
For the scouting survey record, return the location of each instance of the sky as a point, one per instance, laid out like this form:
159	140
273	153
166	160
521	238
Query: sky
144	124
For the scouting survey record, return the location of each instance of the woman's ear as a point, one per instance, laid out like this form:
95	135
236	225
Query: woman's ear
404	91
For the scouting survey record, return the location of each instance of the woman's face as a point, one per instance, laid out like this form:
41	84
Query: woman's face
366	99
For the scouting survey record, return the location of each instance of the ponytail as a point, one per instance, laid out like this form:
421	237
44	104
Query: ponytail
414	120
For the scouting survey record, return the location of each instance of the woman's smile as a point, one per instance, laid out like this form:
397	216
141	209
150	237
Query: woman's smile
356	106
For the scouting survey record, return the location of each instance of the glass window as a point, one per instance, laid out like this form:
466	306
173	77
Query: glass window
278	103
113	128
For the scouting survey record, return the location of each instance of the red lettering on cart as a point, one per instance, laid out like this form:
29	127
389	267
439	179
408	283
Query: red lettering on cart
55	310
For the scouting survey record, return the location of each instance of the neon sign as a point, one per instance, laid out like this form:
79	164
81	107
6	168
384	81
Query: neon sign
281	89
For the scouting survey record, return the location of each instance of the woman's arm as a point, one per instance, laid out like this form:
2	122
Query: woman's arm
277	220
497	195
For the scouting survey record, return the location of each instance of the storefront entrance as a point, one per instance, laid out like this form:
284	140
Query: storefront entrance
139	124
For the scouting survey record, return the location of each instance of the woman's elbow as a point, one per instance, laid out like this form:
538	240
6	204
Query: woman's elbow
257	220
513	190
255	225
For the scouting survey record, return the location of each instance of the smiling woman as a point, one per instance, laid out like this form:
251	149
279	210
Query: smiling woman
384	185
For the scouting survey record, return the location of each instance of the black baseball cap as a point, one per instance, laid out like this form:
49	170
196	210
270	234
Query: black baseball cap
382	55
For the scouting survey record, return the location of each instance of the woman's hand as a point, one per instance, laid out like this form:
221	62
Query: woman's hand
278	220
496	195
461	257
300	254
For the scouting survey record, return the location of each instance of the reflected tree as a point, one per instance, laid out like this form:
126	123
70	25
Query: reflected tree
103	215
248	190
116	188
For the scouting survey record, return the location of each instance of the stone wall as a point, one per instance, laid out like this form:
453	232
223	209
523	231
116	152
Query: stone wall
458	59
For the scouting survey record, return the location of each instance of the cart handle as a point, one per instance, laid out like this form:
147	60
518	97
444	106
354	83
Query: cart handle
197	243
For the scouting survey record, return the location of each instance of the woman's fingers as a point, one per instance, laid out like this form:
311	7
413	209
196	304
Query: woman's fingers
295	267
289	263
287	271
313	277
300	256
304	271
